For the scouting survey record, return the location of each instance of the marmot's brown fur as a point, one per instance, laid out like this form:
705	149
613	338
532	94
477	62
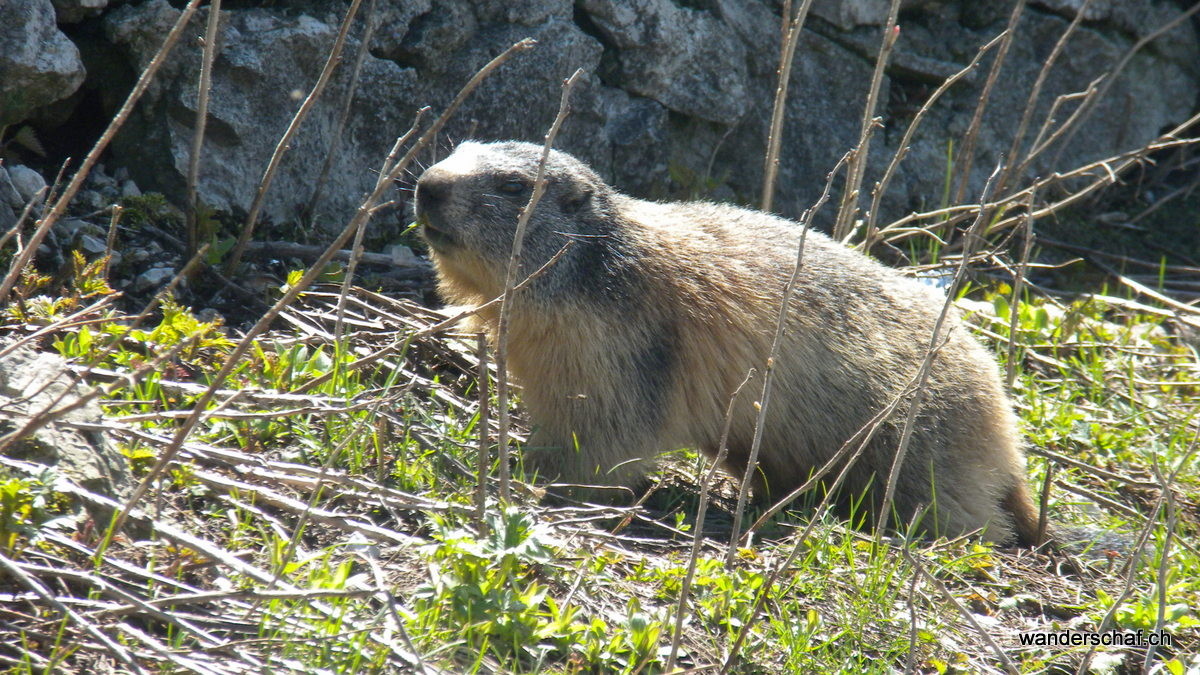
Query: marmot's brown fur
634	341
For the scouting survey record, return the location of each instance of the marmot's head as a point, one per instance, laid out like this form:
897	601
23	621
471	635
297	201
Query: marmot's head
468	205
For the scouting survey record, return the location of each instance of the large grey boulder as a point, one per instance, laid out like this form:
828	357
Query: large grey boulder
676	96
623	135
10	196
686	59
38	64
9	201
1156	89
268	60
266	64
26	181
30	383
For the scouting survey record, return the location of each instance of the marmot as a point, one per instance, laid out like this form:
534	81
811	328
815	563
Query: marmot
633	342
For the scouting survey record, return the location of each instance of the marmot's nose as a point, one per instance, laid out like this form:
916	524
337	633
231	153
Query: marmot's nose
433	190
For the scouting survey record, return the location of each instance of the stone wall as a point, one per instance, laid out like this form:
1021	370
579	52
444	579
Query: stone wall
675	103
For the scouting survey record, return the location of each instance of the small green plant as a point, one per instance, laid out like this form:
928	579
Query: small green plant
88	280
203	343
150	208
631	647
26	505
484	589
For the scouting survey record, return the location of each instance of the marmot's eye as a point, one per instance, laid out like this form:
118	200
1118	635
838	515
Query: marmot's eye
512	187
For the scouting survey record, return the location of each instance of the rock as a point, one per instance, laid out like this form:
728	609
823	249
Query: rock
1152	94
130	189
92	245
100	178
686	59
430	38
29	382
263	58
74	11
1096	10
10	196
7	218
527	13
726	162
210	315
69	228
850	14
675	101
396	24
89	200
153	278
26	181
38	64
401	255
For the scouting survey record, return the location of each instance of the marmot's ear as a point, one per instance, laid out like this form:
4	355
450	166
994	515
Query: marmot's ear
575	199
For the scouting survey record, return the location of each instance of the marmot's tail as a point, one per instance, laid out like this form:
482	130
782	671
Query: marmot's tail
1024	514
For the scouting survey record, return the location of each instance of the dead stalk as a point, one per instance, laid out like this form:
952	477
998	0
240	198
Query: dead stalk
1044	502
902	228
764	400
1075	122
910	662
400	343
1018	288
1164	560
110	241
481	354
133	325
58	182
1034	94
774	141
16	228
1131	566
356	251
776	572
850	451
1045	136
698	528
906	141
966	154
848	212
316	489
203	88
514	261
348	99
37	588
331	62
60	204
244	345
77	318
49	413
1000	654
822	508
